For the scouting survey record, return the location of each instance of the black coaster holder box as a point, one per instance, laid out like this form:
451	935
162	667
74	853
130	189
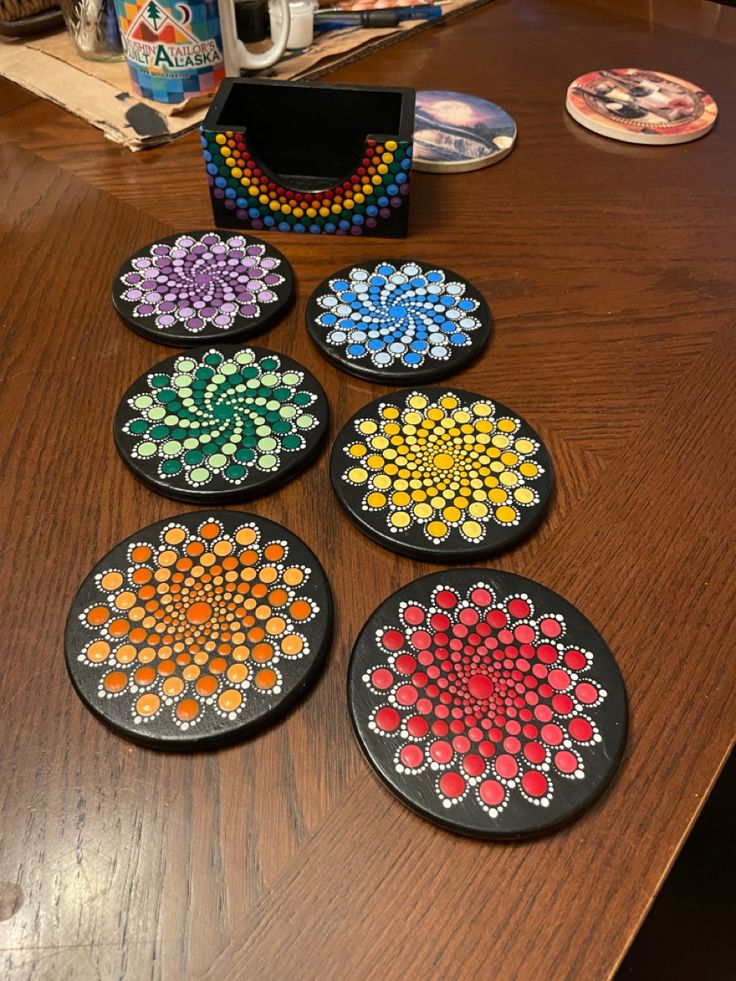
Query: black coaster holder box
310	158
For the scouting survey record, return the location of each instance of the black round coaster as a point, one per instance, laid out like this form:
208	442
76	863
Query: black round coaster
441	474
487	703
198	630
221	423
203	286
398	321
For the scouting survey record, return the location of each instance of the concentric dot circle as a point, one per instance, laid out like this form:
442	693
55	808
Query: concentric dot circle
487	703
204	285
441	474
221	423
199	629
398	321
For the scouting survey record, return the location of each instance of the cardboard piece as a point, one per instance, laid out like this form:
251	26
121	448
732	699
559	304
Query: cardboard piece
100	92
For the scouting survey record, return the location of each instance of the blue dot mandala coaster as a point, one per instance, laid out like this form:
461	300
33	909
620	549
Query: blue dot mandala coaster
487	703
441	474
199	629
221	423
203	286
397	321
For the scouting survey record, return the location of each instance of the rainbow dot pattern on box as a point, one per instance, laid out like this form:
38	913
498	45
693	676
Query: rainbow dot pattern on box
368	202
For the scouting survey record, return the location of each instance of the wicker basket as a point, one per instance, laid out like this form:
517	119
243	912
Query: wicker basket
12	10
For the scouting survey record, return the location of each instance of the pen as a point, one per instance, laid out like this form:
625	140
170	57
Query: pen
335	19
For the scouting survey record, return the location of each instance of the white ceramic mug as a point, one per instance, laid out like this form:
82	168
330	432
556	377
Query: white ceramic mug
236	54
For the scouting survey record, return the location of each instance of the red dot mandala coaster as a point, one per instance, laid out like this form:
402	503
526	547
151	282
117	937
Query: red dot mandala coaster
487	703
199	630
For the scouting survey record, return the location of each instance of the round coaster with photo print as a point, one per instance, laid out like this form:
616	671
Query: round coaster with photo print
638	106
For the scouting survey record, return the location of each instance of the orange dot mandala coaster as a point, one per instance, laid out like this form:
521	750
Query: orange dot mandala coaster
641	106
199	630
441	474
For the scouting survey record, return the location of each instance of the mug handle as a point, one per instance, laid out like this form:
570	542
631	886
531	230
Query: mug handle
236	54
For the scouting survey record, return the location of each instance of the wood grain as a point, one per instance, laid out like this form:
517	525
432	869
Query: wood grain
609	269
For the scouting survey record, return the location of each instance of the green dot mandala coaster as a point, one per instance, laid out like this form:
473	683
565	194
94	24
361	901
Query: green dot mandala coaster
220	423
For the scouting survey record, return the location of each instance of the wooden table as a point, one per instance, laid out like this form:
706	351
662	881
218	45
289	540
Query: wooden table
610	270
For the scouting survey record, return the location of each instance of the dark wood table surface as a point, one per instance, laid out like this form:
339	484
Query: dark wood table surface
610	270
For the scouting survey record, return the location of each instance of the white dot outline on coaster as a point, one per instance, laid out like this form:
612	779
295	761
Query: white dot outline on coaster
459	735
640	106
455	132
395	316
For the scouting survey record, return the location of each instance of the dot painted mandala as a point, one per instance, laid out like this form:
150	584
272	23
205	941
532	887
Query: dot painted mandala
397	316
201	281
438	464
195	623
219	414
487	696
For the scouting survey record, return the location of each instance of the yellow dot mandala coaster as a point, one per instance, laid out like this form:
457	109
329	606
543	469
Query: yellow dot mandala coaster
199	629
441	474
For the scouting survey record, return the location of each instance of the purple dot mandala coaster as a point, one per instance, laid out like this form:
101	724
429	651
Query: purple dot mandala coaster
397	321
487	703
202	286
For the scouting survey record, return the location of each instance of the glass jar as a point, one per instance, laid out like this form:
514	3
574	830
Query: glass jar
93	26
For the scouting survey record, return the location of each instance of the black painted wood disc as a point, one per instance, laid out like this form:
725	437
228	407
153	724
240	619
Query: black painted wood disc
221	423
441	474
398	321
487	703
199	630
203	286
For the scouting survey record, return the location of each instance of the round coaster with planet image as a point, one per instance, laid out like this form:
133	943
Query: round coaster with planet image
455	132
398	321
487	703
203	286
222	423
199	629
441	474
638	106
